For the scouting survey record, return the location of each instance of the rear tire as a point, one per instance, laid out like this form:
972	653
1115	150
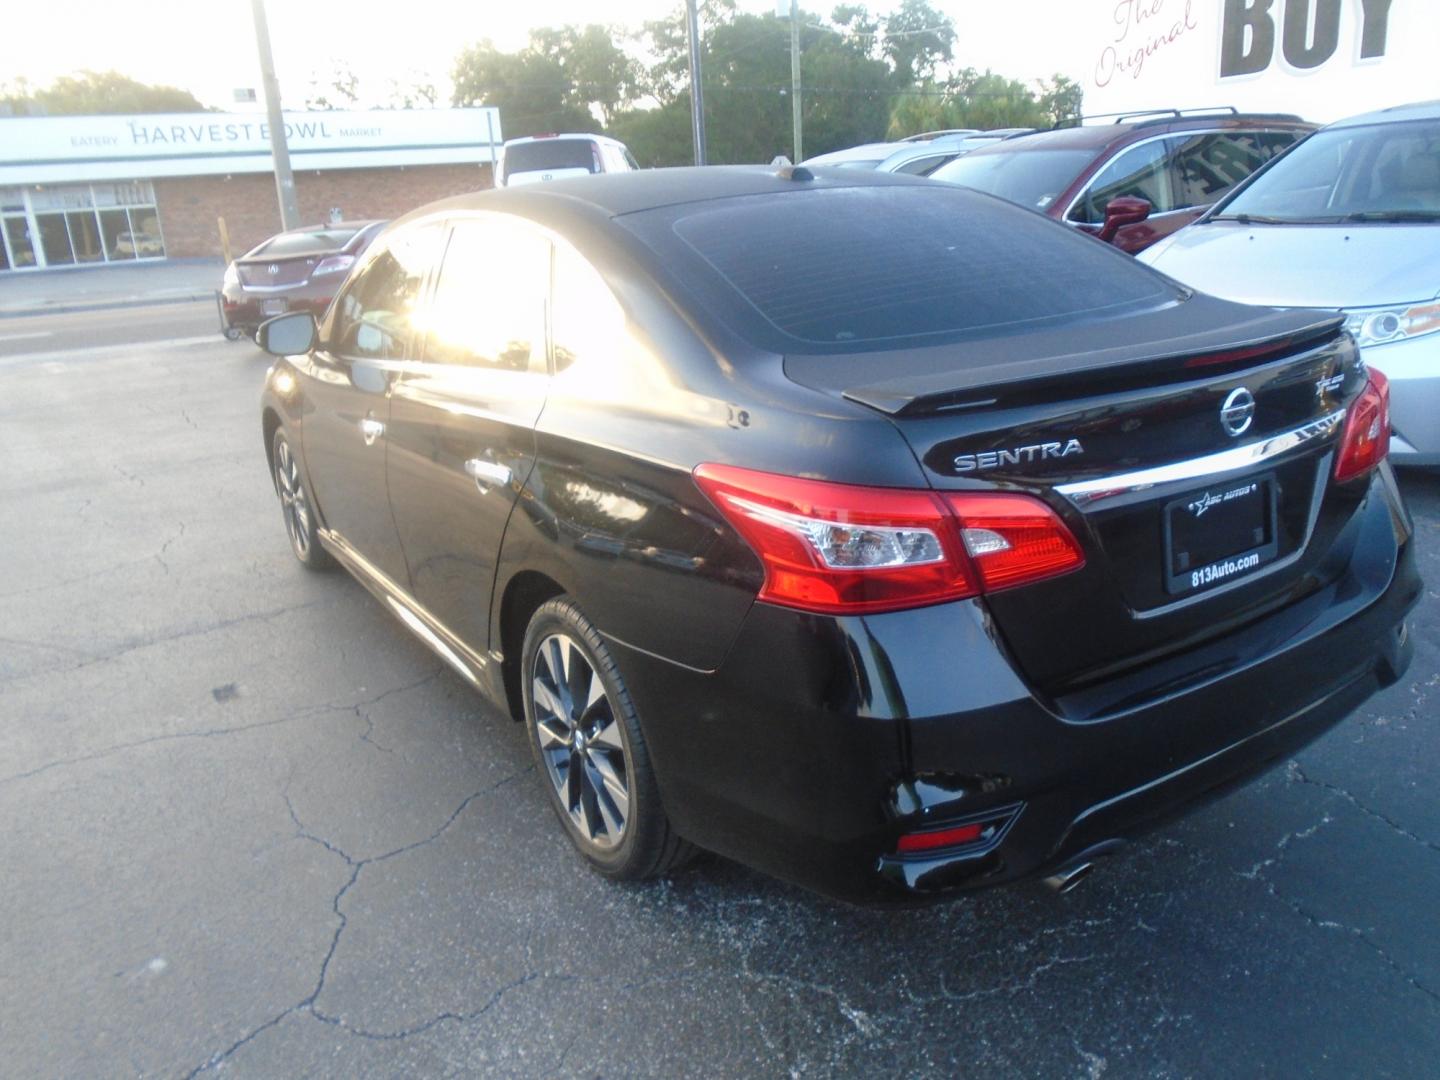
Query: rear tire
590	750
296	506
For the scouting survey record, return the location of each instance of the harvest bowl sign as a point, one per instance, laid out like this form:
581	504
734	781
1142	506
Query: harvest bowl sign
1323	59
199	144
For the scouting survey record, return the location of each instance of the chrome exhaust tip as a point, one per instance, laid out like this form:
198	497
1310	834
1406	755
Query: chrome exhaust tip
1068	878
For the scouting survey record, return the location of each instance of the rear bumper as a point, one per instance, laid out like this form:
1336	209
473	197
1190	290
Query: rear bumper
246	310
819	741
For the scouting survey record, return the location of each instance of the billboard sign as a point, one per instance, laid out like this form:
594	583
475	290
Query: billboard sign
1322	59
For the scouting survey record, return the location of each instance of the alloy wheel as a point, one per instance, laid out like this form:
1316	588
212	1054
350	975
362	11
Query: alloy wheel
293	504
581	741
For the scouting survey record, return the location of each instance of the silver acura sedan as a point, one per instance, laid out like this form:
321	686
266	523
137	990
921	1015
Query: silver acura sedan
1348	219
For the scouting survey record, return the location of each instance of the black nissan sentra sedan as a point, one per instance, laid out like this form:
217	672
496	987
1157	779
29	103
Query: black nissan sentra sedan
879	534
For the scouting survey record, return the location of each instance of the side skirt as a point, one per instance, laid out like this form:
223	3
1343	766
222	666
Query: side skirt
411	612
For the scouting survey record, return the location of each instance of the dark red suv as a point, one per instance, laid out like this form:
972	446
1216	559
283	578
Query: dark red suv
1134	181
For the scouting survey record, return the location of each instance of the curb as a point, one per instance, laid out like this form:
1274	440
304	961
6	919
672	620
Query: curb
105	305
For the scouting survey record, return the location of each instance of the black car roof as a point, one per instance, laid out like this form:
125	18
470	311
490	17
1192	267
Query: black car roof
616	194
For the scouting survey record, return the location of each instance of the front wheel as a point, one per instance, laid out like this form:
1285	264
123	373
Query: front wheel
590	750
296	508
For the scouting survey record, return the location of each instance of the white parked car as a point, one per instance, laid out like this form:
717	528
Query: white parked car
1348	219
539	158
917	155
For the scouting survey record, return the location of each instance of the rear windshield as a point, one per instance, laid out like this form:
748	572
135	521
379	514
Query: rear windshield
550	154
848	268
305	242
1032	178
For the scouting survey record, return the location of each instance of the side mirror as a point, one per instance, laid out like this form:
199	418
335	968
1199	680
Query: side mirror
287	335
1122	211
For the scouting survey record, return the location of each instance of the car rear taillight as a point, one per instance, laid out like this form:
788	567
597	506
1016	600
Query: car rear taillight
334	264
1366	438
840	548
1014	539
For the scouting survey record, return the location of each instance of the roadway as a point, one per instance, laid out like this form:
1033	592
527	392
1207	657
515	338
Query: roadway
251	825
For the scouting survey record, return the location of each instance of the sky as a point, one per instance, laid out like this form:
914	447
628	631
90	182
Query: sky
207	47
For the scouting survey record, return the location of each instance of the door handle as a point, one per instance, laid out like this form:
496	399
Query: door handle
371	429
486	472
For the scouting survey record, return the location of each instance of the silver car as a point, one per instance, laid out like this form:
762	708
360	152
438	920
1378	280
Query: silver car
1348	219
917	155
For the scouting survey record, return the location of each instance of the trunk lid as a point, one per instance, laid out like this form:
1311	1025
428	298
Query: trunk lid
265	273
1127	442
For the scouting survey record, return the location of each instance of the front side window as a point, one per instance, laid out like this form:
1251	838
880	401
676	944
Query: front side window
1205	168
376	313
1379	173
1140	172
489	305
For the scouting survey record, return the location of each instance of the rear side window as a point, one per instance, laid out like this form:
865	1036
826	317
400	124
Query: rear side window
586	321
1140	172
375	314
1207	167
488	310
923	166
548	154
851	266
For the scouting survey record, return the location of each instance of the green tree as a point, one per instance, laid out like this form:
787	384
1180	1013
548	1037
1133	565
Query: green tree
925	108
973	99
745	60
337	88
668	42
531	90
1063	100
917	40
658	136
415	91
94	93
600	72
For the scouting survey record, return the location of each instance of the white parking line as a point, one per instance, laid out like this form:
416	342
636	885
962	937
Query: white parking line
111	350
24	337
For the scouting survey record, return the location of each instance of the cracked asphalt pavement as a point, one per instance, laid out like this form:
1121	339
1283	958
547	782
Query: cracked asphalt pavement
250	827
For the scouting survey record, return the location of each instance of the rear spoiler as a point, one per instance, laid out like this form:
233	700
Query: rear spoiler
1088	358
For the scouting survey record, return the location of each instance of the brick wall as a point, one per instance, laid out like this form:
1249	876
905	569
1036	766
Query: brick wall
189	206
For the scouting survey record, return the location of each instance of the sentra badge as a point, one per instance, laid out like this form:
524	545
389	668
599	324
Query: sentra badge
991	459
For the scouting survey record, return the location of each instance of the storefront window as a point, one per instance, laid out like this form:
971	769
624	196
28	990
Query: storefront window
113	225
20	249
84	236
63	224
55	239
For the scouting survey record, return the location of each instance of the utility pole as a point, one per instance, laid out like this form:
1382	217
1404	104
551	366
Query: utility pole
795	76
697	99
279	151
